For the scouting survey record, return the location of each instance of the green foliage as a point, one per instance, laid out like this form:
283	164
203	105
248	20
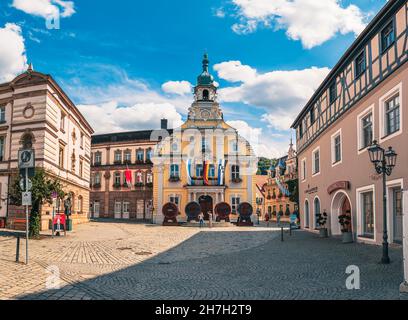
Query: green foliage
43	187
294	190
263	166
345	222
321	219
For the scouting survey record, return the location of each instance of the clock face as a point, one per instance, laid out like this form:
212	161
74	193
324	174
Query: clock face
205	114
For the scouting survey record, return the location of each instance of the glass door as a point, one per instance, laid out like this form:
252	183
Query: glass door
397	214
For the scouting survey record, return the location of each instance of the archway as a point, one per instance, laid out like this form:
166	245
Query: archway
341	204
206	204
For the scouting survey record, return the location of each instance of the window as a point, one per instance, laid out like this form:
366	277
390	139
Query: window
126	207
139	177
392	115
79	204
387	36
175	199
61	157
367	214
303	169
206	95
333	92
336	148
2	114
149	154
316	161
211	171
366	125
81	168
2	148
149	177
140	155
62	123
118	157
360	64
235	201
97	179
300	129
234	146
73	162
204	145
174	171
98	158
312	115
128	156
234	172
199	170
117	178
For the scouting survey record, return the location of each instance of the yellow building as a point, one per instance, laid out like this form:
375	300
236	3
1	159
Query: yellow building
205	160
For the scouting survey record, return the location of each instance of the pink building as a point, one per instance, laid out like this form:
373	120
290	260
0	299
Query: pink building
361	100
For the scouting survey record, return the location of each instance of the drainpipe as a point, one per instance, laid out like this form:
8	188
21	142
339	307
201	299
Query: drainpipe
404	285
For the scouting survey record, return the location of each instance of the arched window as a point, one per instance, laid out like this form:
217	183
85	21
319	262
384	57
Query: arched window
307	217
316	210
206	95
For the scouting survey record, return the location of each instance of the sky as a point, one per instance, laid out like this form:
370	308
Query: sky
126	64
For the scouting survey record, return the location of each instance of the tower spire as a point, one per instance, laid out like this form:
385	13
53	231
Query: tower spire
206	62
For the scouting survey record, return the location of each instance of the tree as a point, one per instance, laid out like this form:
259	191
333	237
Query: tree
43	187
294	191
263	166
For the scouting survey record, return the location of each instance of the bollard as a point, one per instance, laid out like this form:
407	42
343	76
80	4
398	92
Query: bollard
18	249
281	233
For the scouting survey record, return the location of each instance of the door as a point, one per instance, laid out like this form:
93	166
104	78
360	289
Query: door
206	204
118	210
140	210
148	210
96	209
397	214
307	217
125	214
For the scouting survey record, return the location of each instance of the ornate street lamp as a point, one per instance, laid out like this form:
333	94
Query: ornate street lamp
384	162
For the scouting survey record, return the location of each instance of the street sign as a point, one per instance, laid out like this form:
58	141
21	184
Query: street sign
26	159
23	185
26	199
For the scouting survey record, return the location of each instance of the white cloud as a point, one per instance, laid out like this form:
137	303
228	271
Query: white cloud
282	94
177	87
264	145
13	58
310	21
110	117
45	8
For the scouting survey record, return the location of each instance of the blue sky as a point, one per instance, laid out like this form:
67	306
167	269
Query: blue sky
112	58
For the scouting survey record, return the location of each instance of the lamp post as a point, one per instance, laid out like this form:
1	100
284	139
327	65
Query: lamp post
384	162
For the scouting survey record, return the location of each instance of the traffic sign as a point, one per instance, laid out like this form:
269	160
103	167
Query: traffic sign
26	199
26	159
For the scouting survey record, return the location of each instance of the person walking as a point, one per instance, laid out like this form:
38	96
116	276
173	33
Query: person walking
201	219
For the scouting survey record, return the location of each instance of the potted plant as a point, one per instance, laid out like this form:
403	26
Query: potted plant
345	222
321	219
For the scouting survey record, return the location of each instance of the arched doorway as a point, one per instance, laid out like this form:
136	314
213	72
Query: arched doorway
340	205
206	204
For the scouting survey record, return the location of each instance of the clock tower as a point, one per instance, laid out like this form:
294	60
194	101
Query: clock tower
205	106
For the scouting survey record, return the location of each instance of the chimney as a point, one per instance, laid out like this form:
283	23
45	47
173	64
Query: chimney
164	124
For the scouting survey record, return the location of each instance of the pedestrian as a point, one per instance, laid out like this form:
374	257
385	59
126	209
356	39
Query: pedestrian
279	218
210	220
201	219
267	218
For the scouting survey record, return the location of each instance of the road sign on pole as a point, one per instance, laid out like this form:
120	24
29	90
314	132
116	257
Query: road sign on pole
26	160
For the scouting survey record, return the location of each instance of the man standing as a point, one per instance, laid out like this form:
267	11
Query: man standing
201	219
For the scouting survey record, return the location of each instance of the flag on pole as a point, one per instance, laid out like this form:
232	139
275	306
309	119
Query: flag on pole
188	169
206	173
221	171
128	177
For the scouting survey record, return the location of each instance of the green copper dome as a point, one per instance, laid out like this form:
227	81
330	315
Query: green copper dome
205	78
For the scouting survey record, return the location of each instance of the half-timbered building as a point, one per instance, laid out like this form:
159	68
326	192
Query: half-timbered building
361	100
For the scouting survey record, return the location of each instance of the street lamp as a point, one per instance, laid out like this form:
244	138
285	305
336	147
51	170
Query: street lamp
384	162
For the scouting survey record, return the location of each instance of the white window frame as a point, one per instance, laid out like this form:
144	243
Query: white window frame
2	148
397	90
117	205
234	203
360	136
333	151
359	209
314	173
303	169
2	114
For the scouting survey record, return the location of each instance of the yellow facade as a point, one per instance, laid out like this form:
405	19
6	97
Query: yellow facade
204	138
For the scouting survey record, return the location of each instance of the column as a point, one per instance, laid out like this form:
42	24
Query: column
404	285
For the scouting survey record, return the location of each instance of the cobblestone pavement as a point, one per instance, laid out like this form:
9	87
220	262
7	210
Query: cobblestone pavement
111	260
